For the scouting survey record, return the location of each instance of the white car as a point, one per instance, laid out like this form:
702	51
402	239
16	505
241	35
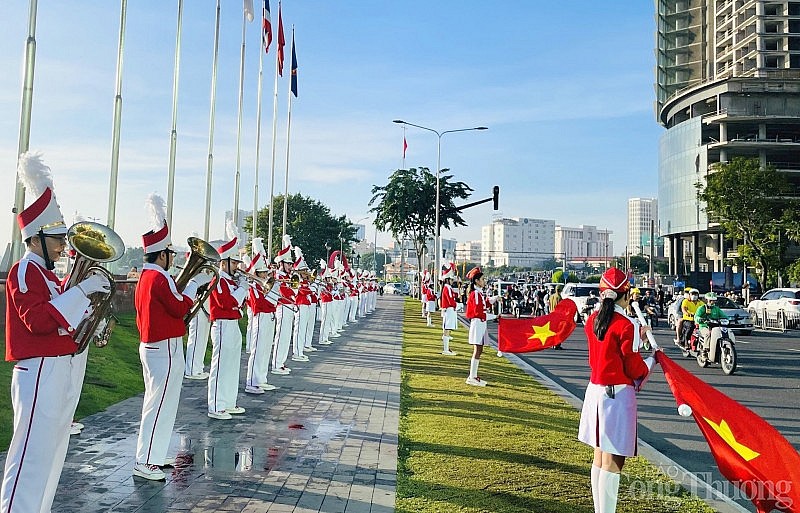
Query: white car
578	293
778	306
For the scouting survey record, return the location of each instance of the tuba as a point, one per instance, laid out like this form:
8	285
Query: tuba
94	244
201	253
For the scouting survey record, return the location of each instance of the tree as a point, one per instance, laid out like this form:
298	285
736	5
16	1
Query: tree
752	204
406	205
381	259
310	224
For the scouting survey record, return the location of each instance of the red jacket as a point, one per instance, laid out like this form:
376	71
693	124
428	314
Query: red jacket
304	294
32	323
159	308
477	304
325	295
257	301
448	297
613	360
222	303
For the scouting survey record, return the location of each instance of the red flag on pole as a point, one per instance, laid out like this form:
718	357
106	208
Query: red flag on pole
267	26
749	452
528	335
281	41
405	146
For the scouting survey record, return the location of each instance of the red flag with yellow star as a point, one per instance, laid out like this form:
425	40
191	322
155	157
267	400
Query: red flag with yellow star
749	452
528	335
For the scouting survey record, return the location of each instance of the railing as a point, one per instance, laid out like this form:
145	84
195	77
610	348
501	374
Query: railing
780	320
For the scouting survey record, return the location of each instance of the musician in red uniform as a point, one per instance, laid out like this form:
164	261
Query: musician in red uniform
448	306
227	297
41	319
608	417
302	301
262	303
284	314
160	309
325	303
478	308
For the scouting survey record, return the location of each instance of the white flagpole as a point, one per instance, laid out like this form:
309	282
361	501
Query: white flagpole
258	124
115	134
210	165
239	125
274	141
288	132
173	136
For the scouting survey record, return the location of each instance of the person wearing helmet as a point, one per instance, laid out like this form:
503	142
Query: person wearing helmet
635	297
706	312
688	308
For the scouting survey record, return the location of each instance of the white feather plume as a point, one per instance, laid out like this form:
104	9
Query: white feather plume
298	253
322	264
33	174
287	240
258	247
156	210
231	231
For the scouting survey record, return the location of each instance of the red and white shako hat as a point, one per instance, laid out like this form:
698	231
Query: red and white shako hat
285	253
230	249
259	262
43	214
448	271
157	239
473	273
613	283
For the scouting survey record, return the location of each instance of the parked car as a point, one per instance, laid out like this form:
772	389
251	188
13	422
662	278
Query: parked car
396	288
740	320
578	293
781	306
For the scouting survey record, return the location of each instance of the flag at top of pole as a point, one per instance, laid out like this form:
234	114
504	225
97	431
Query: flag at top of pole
248	10
294	69
405	145
281	41
267	26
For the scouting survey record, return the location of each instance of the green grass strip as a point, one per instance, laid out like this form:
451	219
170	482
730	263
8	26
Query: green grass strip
509	447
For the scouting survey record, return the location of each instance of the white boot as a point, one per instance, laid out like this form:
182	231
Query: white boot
608	489
446	346
596	488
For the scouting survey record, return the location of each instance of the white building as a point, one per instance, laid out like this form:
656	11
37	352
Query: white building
640	212
583	244
361	231
517	242
469	251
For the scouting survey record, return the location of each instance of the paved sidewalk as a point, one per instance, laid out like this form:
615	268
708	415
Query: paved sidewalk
326	441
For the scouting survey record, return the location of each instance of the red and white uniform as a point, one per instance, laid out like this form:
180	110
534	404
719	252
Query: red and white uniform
477	306
262	334
312	316
326	313
448	305
226	342
45	382
284	321
160	310
302	300
610	423
197	341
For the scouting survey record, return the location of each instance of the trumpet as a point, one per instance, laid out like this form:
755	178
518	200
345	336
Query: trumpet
94	244
201	253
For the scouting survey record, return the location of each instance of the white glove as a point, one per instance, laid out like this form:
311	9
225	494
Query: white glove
95	283
242	281
202	279
190	289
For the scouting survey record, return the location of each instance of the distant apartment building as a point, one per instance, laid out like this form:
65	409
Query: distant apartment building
583	244
469	251
641	211
361	231
517	242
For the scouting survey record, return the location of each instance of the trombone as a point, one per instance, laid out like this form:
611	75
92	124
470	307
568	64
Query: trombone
201	256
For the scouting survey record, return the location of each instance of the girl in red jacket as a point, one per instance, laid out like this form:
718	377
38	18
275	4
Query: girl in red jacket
478	306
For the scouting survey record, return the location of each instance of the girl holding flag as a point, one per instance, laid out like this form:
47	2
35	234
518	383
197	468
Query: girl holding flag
477	307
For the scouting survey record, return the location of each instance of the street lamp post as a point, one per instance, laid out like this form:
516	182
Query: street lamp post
439	135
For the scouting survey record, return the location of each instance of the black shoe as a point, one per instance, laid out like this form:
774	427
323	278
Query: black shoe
558	347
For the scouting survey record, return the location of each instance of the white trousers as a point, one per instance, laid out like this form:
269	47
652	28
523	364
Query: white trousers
44	394
262	334
248	330
325	315
312	324
353	308
162	370
300	329
196	343
284	319
338	307
226	354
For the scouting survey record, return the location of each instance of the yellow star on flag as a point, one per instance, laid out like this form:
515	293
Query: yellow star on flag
541	333
724	431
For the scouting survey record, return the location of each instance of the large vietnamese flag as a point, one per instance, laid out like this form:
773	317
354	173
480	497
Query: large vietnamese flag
749	452
528	335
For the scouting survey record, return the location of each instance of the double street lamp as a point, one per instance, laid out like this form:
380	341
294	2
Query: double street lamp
437	233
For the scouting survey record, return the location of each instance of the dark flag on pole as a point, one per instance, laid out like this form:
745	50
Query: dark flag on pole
281	41
405	146
267	25
294	69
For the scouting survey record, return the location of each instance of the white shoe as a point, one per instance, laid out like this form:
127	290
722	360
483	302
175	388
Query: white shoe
78	425
476	382
236	410
283	371
151	472
169	462
299	358
325	343
220	415
253	390
336	335
309	348
267	386
449	353
74	430
500	354
202	375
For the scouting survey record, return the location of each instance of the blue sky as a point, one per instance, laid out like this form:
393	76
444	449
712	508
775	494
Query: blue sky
564	87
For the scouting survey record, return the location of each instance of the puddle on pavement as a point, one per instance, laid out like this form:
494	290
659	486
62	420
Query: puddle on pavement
297	442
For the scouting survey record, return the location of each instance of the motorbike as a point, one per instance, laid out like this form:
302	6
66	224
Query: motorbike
719	347
588	308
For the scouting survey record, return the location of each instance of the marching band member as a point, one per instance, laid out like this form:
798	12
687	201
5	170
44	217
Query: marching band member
338	299
326	305
196	343
423	292
284	314
313	298
302	300
608	417
160	309
227	296
41	319
478	306
262	328
449	319
353	309
430	303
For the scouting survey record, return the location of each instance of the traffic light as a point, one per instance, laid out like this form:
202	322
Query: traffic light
496	197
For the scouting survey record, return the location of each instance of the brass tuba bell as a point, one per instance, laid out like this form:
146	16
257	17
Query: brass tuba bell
201	257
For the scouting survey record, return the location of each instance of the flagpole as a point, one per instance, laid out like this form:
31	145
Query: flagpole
115	134
288	132
239	127
24	129
258	124
274	140
173	136
210	164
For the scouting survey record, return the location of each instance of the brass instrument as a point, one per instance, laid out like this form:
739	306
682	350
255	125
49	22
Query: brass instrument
266	283
94	244
200	254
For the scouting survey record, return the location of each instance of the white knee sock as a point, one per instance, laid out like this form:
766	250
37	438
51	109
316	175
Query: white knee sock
596	488
473	367
608	484
445	343
429	319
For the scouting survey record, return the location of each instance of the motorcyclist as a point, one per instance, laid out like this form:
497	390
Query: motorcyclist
636	297
688	309
706	312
